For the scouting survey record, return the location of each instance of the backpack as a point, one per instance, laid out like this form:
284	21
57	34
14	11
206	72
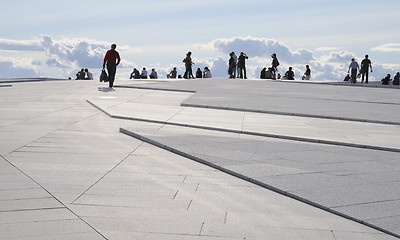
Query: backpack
275	62
103	76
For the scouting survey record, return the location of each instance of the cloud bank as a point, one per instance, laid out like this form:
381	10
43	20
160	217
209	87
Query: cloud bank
331	66
261	47
66	55
389	47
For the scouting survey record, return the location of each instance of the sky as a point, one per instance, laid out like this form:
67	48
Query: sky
46	38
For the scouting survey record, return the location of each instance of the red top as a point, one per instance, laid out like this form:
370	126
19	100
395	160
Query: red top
112	57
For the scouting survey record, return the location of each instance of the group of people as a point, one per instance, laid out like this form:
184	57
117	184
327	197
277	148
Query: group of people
144	75
206	73
174	74
289	74
363	71
237	69
189	71
84	74
396	80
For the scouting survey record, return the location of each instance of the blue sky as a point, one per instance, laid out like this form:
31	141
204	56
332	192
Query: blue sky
159	33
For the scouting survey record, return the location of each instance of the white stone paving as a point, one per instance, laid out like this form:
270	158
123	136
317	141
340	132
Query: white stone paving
67	173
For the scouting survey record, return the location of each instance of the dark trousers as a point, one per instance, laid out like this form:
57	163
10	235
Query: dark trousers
242	69
364	73
188	72
353	75
112	70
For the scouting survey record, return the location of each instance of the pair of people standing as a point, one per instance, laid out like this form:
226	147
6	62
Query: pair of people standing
354	67
188	66
111	59
237	64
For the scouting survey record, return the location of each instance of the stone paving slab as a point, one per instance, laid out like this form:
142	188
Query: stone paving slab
336	132
27	211
294	98
339	181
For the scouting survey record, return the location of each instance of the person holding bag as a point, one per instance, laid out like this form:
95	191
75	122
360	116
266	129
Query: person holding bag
112	59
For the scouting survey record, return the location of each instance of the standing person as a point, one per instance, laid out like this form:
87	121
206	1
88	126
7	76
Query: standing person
242	64
354	67
307	74
234	65
112	60
188	65
275	64
365	64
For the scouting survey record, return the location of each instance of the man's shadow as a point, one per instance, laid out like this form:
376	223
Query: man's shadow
106	89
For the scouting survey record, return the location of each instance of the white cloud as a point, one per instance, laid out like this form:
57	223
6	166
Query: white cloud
74	52
338	57
389	47
64	57
23	45
21	67
328	49
261	47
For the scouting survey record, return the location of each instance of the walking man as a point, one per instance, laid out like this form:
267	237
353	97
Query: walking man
365	64
354	67
112	60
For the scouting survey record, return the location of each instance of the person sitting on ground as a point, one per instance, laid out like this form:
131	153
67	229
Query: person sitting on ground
207	73
199	73
153	74
307	74
132	74
89	75
173	73
386	80
396	79
289	75
80	75
144	73
136	74
269	74
262	73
